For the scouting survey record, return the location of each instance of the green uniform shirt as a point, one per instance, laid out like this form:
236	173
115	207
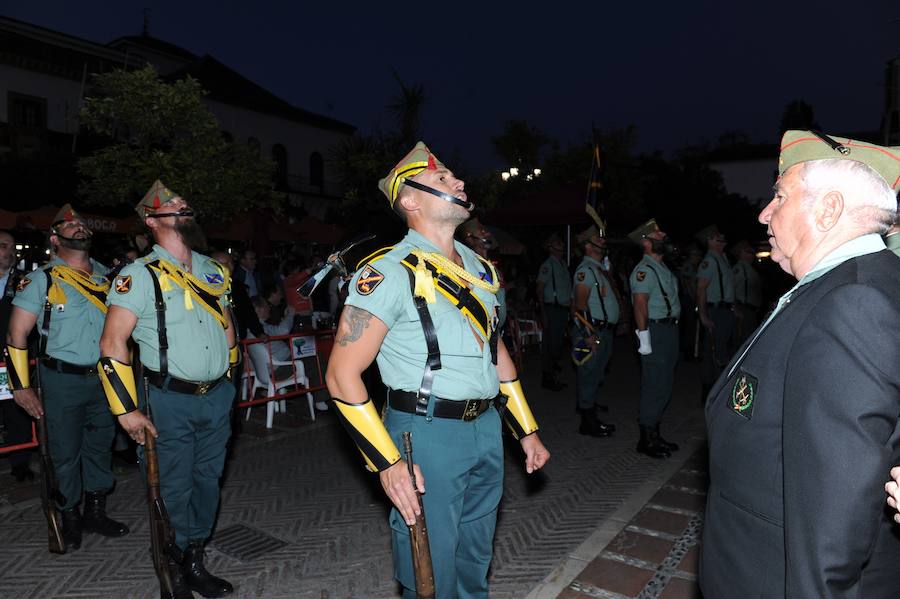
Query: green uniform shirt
652	277
382	288
198	348
590	274
716	270
554	274
747	284
893	243
75	326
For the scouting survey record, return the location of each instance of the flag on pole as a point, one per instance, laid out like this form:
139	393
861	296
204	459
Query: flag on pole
593	204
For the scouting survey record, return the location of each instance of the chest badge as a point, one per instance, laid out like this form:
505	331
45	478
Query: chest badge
368	280
743	394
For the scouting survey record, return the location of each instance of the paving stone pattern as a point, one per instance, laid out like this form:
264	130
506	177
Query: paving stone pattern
303	484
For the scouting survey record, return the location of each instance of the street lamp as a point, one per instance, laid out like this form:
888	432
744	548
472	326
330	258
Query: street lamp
514	172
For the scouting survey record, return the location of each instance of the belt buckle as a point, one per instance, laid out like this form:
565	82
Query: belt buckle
202	388
471	411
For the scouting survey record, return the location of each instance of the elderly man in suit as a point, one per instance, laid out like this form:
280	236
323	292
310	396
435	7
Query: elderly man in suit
803	423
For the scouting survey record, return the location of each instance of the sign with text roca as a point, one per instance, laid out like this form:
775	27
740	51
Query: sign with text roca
304	347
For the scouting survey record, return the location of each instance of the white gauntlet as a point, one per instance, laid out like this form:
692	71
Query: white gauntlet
644	340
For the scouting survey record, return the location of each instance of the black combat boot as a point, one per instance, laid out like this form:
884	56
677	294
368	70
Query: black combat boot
650	445
95	519
71	527
672	447
180	589
593	426
196	576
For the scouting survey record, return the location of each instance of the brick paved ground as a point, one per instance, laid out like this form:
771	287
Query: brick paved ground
302	485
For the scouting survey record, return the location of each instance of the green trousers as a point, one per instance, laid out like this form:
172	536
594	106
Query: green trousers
553	337
462	463
80	430
658	373
590	375
718	345
193	432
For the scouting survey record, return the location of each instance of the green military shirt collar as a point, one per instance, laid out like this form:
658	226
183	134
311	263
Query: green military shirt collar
592	262
892	242
860	246
97	269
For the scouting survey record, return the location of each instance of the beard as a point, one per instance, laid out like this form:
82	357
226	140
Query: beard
661	247
74	243
191	234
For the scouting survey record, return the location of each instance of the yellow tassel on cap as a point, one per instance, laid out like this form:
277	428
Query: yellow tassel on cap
424	282
55	294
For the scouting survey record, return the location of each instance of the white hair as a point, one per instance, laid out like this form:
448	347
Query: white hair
869	200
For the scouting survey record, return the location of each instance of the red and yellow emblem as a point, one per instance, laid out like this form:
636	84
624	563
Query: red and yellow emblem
23	283
123	284
641	275
580	277
369	279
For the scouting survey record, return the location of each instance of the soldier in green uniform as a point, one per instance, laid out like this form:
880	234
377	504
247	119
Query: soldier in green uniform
423	312
67	300
554	295
481	241
654	293
596	313
185	362
715	303
747	291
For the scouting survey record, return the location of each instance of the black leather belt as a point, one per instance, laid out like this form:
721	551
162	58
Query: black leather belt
466	410
719	304
669	320
179	386
602	325
68	368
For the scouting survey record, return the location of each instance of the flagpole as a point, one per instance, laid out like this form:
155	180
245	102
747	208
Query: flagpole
569	246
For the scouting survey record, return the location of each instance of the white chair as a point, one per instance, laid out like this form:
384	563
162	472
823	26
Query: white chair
263	367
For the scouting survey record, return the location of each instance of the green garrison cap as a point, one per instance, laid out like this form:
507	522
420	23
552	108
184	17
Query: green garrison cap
418	159
705	233
646	229
66	214
158	195
588	233
803	146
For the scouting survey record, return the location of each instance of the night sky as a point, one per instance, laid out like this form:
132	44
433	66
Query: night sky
682	72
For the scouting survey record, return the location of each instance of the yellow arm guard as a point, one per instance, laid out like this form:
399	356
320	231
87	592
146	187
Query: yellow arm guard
119	386
234	355
517	415
368	432
17	367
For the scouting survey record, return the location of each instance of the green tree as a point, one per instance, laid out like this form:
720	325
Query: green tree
158	130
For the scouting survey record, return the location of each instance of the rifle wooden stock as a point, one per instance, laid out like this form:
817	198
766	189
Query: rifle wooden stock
161	538
50	494
418	535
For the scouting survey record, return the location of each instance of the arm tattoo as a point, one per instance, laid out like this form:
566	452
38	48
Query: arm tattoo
357	320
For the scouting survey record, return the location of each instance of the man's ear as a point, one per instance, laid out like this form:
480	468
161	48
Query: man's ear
828	210
408	201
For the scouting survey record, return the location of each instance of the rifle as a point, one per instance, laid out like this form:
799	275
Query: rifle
418	535
50	493
161	538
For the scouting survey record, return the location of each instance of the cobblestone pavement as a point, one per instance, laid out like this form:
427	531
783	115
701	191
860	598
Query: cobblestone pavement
301	487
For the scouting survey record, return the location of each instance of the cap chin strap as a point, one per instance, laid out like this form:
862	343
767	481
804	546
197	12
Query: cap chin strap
172	214
444	196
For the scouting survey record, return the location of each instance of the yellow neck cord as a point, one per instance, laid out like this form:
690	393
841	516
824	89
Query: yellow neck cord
78	280
171	273
424	286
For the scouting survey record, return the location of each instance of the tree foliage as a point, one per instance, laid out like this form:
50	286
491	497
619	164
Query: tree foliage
158	130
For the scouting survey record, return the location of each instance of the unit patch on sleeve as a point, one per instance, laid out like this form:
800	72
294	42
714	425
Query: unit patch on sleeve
369	279
705	264
123	283
641	275
743	393
23	283
580	277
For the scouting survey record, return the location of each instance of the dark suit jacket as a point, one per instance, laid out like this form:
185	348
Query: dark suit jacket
796	503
